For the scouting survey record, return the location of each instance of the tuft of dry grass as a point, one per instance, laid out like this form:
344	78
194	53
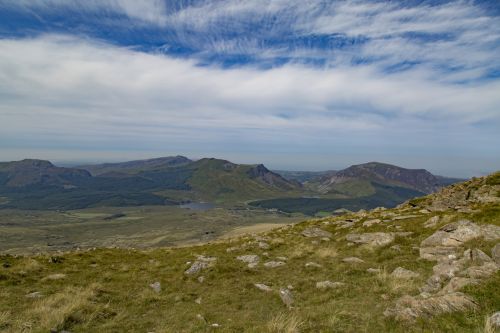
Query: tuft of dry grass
4	319
55	310
396	285
326	252
284	323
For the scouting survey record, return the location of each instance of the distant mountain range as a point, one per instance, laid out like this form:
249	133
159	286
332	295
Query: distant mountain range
37	184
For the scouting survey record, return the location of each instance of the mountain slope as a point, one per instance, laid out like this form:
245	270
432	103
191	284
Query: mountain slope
418	179
137	165
430	265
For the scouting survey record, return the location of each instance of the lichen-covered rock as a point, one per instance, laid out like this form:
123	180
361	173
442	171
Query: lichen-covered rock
201	263
432	222
353	260
456	284
273	264
263	287
481	272
438	252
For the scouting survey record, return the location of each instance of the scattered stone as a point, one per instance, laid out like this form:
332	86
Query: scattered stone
494	320
432	222
353	260
313	264
409	308
374	239
396	247
403	273
263	287
329	285
251	259
282	258
374	270
200	317
232	249
36	294
57	276
287	297
273	264
201	263
264	245
495	253
201	279
424	211
369	223
198	300
316	232
403	217
156	287
215	325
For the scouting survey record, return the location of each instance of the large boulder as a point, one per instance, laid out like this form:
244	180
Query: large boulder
454	234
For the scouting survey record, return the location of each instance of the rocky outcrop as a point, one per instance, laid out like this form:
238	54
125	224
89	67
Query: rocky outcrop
409	308
372	239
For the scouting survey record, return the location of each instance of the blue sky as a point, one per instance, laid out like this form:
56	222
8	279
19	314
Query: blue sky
294	84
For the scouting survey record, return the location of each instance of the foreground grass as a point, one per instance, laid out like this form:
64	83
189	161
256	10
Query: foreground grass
107	290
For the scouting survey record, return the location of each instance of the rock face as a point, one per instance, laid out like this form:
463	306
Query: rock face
316	232
409	308
373	239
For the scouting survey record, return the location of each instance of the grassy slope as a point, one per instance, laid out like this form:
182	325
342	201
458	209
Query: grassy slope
107	290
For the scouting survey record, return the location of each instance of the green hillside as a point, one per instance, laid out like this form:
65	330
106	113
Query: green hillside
385	270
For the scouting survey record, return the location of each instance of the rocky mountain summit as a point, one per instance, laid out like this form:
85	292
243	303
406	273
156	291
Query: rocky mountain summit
431	264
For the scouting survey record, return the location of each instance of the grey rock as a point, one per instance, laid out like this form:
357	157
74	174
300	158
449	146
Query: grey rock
409	308
156	287
457	283
353	260
403	273
437	252
374	270
316	232
494	320
264	245
249	258
201	263
287	297
432	222
273	264
36	294
454	234
373	239
313	264
329	285
490	232
371	222
495	253
481	272
263	287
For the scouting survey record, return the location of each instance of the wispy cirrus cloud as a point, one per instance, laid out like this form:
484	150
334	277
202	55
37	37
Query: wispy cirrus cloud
358	76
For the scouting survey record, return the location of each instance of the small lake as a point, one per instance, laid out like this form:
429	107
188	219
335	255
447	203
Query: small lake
200	206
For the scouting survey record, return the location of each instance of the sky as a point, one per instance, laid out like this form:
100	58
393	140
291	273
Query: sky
293	84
